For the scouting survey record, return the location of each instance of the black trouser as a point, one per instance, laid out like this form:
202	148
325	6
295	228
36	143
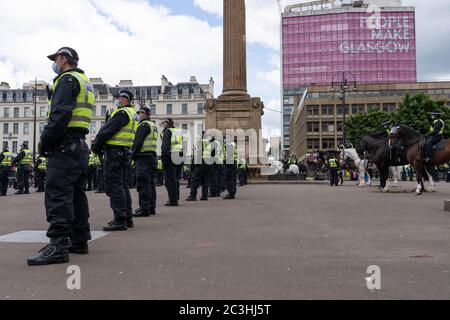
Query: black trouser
65	199
431	141
145	181
230	178
91	178
242	175
132	177
159	177
40	180
172	176
4	179
116	166
334	179
214	180
100	179
200	177
23	178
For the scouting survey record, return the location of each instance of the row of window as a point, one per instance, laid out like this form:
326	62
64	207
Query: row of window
330	110
314	144
14	145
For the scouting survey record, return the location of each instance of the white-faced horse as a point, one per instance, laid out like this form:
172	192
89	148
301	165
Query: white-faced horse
281	168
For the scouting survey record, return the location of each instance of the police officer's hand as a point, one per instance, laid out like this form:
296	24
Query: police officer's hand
42	149
49	92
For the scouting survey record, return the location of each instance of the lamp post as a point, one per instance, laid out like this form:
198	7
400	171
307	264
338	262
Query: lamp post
34	120
343	86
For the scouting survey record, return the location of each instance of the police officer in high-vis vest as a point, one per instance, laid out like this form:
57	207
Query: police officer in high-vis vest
201	169
333	167
115	139
144	154
159	173
230	166
39	170
243	172
172	158
23	160
435	134
72	99
6	158
92	171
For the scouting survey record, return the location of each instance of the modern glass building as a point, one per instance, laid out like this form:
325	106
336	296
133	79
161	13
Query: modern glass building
321	40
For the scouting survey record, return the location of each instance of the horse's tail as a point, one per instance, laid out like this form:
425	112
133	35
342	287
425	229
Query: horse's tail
425	174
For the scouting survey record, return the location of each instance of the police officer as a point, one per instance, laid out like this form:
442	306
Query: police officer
40	168
333	167
144	154
115	139
100	175
231	156
435	135
92	171
201	170
159	173
23	159
243	172
63	142
216	170
6	158
171	156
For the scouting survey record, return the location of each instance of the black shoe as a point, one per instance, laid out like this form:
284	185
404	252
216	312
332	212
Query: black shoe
171	204
139	213
27	192
152	212
57	251
203	199
191	199
19	192
229	197
116	226
79	248
130	223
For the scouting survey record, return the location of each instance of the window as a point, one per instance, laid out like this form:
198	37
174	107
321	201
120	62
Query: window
328	127
43	112
389	107
313	126
169	109
153	109
200	108
41	126
26	128
93	129
327	110
357	108
26	112
6	113
15	128
373	106
16	112
26	142
339	109
313	111
29	96
94	111
14	148
328	144
184	127
5	128
185	90
184	108
5	144
103	111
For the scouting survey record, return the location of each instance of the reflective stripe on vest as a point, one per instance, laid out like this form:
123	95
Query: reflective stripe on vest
234	146
7	160
83	111
43	164
151	140
207	149
159	165
125	137
333	163
243	164
92	160
176	143
442	129
28	157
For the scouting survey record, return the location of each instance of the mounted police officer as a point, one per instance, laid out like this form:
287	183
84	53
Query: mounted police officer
40	168
115	139
143	152
23	159
63	142
6	158
171	156
435	134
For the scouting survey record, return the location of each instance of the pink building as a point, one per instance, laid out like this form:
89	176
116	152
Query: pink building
322	39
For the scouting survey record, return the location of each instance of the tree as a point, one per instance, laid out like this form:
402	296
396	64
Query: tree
363	124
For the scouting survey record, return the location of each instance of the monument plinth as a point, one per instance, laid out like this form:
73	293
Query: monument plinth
234	108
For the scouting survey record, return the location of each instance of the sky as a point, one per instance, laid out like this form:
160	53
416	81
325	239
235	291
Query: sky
144	39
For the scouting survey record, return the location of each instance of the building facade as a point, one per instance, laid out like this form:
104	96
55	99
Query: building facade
183	102
317	122
321	40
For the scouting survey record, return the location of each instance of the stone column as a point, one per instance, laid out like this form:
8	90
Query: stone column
234	48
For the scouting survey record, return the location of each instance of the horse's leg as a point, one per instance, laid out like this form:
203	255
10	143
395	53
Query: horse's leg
419	188
431	181
386	180
396	176
362	173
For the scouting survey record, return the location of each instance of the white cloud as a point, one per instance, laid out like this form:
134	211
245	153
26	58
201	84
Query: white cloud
116	39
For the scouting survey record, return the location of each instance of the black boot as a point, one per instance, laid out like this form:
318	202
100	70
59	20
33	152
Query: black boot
116	226
79	248
229	197
57	251
171	204
152	212
139	213
19	192
130	223
191	199
204	199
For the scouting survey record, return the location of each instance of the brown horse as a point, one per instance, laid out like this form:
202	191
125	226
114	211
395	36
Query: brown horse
413	142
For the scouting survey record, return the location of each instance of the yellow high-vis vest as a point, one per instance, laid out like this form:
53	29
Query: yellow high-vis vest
7	159
125	137
150	142
28	157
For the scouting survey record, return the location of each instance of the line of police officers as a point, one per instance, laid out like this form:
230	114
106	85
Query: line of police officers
126	136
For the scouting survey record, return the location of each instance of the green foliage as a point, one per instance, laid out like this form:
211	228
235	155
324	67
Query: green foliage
414	111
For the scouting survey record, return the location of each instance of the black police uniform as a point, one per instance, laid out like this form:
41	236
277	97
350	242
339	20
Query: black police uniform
200	175
215	174
230	172
40	176
116	164
4	176
145	171
100	177
67	160
172	171
23	174
433	138
92	176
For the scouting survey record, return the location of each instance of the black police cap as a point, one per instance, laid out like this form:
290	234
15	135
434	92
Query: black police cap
66	51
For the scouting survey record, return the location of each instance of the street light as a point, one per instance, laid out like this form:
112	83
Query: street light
343	86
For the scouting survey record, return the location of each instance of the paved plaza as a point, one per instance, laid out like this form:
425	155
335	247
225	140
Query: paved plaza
273	242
